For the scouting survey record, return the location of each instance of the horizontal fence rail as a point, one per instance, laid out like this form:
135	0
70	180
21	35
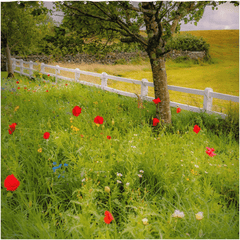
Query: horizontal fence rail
207	93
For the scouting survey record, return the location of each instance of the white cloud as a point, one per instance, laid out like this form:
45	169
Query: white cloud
227	15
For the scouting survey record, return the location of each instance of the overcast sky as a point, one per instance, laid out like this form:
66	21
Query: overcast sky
226	17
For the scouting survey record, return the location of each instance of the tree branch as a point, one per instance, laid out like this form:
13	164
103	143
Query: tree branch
179	16
86	14
130	7
13	45
111	18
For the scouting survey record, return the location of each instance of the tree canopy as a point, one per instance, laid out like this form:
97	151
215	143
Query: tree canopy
124	20
23	25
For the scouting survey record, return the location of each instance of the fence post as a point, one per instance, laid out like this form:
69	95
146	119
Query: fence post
104	80
144	88
31	68
57	71
42	68
14	64
207	101
21	66
77	74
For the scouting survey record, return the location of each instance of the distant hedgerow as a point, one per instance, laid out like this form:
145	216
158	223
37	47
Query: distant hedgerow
188	42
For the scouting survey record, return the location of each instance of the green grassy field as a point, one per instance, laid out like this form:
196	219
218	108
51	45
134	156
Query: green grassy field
151	171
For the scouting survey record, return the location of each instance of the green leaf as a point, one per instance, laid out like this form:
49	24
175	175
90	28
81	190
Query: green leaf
9	194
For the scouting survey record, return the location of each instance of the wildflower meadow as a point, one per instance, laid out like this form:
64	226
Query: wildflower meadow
80	162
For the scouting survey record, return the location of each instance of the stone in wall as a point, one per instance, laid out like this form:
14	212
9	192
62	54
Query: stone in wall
110	58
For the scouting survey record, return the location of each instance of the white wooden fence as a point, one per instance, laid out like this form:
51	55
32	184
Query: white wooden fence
207	93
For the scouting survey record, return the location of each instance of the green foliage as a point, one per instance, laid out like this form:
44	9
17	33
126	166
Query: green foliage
178	174
23	26
64	42
188	42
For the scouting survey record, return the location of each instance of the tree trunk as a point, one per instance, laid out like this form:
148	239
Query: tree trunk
163	110
8	62
156	50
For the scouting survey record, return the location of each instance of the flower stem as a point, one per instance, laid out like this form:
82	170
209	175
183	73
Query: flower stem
110	207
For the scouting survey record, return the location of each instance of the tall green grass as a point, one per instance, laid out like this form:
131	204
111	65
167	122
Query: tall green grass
178	174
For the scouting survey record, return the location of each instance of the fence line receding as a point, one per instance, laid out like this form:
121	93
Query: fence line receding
207	93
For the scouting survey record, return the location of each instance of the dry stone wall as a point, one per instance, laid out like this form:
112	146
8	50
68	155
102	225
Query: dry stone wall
110	58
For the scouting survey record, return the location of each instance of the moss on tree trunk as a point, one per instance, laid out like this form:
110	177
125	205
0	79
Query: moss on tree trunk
9	63
163	110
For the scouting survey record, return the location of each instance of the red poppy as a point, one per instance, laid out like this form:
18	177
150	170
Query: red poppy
46	135
155	121
66	84
12	128
98	120
18	87
10	132
108	137
17	82
25	88
47	91
11	183
178	110
196	129
108	217
156	101
48	75
210	152
82	136
76	111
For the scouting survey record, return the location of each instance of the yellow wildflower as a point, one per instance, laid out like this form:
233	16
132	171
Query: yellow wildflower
107	189
40	150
